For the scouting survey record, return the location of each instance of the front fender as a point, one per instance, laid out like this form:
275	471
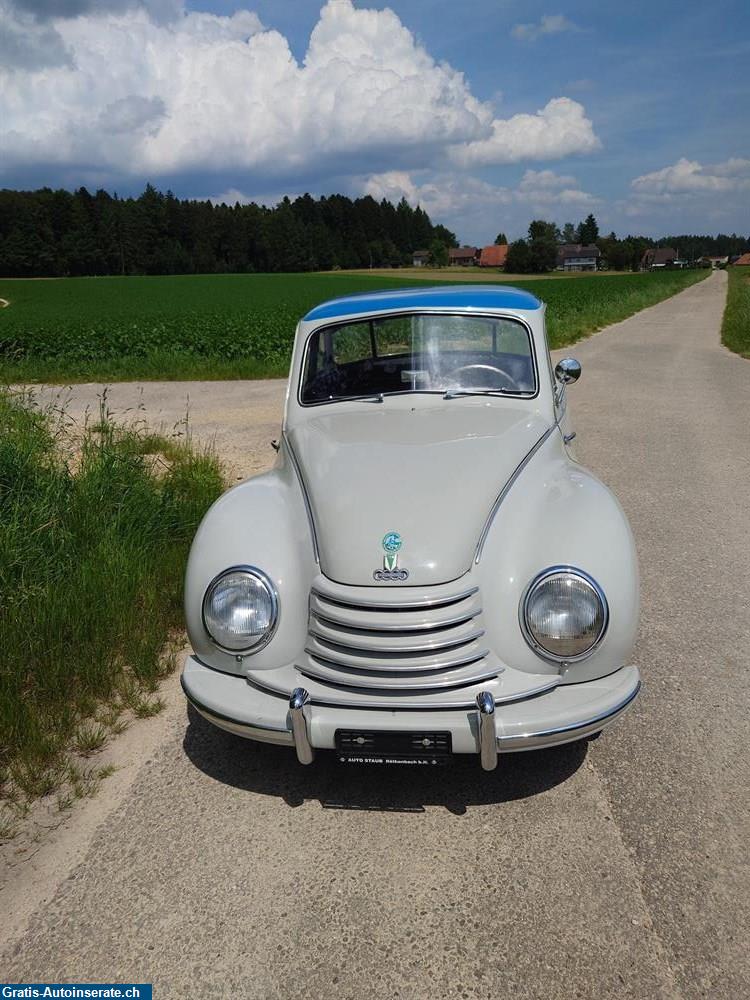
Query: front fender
558	513
262	522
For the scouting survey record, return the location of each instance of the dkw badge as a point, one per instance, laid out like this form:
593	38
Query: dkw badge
390	573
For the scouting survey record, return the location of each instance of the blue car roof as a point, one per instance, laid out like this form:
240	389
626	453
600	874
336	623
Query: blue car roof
481	297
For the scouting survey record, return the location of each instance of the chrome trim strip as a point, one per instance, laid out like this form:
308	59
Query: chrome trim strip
578	725
391	706
299	713
487	731
397	702
409	667
425	647
506	489
305	496
422	627
400	605
422	685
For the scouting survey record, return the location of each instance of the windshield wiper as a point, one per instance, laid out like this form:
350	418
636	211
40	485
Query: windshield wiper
455	393
375	397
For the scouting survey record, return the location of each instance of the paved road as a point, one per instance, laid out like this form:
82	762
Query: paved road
617	870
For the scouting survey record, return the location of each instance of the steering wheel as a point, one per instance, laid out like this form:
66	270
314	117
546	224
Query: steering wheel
510	382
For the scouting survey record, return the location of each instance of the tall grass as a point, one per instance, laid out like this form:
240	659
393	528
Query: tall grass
95	525
735	330
242	325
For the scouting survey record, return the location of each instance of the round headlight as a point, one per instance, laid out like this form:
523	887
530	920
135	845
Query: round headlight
240	609
564	614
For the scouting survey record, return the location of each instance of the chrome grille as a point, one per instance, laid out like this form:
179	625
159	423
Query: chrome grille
397	641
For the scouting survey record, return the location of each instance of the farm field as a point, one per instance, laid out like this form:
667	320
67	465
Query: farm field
735	330
482	275
240	326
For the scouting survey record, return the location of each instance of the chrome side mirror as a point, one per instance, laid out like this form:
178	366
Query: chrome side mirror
568	371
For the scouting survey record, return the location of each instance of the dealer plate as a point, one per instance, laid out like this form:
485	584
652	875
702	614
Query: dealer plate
416	749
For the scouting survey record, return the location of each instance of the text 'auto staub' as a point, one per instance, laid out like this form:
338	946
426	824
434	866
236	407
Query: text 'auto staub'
427	570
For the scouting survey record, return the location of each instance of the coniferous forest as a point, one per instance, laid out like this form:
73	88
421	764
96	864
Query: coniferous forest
50	233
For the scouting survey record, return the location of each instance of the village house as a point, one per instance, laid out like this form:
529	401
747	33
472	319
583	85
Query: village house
463	256
420	258
576	257
743	261
494	255
657	258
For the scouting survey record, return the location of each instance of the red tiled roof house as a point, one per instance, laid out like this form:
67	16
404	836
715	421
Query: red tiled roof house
494	256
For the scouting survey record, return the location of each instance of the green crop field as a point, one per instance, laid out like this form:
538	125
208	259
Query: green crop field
735	331
239	326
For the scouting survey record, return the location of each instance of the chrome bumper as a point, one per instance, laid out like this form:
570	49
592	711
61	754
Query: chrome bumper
568	713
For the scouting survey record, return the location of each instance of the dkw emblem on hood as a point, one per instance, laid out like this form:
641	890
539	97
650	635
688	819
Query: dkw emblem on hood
390	572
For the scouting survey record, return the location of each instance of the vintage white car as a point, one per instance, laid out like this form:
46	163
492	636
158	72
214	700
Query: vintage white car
427	570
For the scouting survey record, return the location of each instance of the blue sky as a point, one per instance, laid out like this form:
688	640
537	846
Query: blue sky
486	113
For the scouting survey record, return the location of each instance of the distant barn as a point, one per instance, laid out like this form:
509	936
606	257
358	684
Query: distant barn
463	256
494	256
657	258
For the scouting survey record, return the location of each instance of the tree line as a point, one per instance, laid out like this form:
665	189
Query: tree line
48	233
539	251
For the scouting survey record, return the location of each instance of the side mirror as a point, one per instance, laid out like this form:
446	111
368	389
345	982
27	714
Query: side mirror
568	371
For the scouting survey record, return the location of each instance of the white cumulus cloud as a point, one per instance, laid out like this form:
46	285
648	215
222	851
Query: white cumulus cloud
474	208
559	129
545	180
545	190
549	24
230	94
691	177
147	88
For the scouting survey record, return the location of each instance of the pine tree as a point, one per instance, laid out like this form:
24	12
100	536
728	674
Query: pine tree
588	231
569	233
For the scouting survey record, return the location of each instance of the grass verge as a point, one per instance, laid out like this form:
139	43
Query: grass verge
95	526
735	329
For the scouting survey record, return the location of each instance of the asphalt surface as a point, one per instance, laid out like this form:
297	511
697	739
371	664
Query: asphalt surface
613	869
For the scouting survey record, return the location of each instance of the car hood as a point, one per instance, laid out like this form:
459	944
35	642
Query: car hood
431	474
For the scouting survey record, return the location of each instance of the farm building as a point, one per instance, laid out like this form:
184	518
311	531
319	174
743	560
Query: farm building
463	256
576	257
420	258
743	261
659	257
494	256
715	261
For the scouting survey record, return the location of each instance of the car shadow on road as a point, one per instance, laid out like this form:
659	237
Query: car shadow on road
272	770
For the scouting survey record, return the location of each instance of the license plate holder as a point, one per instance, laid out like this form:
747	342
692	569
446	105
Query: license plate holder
372	746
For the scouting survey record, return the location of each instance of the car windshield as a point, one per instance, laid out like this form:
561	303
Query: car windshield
428	352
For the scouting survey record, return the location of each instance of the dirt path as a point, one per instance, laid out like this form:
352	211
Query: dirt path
240	419
617	870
